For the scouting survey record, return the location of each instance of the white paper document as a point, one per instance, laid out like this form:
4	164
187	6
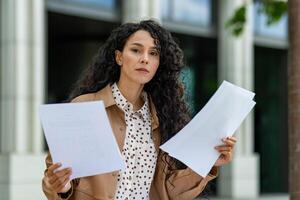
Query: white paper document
219	118
79	136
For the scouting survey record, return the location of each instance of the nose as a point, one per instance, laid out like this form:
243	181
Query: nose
144	59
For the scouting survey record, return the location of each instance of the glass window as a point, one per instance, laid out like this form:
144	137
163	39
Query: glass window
101	3
190	11
261	28
165	9
271	118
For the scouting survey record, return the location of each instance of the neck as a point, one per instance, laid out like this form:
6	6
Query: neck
132	92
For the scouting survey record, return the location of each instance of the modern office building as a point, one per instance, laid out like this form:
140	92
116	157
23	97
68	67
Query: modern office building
45	44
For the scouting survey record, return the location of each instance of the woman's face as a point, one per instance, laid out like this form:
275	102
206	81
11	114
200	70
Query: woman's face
139	59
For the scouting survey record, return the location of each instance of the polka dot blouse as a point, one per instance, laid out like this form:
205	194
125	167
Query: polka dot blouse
138	151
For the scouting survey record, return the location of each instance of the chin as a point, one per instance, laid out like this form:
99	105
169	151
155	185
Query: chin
143	81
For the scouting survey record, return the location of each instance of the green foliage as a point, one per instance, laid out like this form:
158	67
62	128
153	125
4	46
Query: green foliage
274	10
237	21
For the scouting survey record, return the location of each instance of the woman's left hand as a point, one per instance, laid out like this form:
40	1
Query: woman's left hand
226	151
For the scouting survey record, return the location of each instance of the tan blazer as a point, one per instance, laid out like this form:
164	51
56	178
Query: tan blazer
182	184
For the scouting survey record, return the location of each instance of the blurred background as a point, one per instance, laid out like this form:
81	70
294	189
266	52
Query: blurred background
45	45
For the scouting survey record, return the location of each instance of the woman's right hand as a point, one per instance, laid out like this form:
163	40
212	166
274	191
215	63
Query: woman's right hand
58	180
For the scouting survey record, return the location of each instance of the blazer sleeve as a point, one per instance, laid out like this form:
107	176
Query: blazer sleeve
52	195
185	184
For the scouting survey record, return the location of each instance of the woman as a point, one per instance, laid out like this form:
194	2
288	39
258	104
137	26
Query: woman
136	74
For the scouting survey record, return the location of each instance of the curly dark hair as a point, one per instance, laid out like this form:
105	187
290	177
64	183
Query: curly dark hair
165	88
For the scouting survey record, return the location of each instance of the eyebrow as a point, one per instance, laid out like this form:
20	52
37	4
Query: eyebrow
139	44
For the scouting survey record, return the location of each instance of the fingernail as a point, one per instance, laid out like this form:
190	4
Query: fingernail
59	164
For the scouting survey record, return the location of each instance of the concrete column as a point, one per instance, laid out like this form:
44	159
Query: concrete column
240	179
38	73
22	67
136	10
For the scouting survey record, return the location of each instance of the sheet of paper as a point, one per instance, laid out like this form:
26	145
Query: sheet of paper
220	117
79	135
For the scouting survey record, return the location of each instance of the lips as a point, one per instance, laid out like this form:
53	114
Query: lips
142	70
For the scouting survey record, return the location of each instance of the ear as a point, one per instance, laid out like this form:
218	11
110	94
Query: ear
118	57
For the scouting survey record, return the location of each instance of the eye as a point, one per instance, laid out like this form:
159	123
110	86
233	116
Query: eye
135	50
154	53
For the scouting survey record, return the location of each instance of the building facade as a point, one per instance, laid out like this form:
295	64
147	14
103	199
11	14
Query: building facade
45	44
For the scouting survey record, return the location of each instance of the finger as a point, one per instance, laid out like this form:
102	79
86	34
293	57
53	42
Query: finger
59	174
51	169
58	184
61	185
223	145
52	180
232	138
228	142
221	160
223	148
225	152
63	172
226	155
46	179
60	181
